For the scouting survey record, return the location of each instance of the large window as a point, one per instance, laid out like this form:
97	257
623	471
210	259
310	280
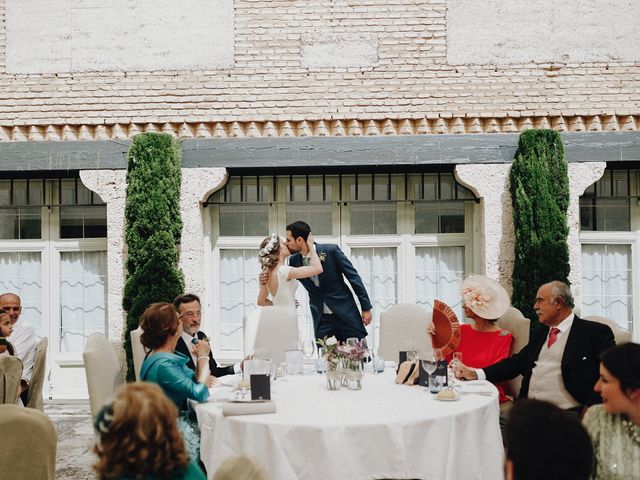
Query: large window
53	254
610	233
408	235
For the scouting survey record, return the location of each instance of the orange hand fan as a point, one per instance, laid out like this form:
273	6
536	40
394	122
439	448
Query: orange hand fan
447	336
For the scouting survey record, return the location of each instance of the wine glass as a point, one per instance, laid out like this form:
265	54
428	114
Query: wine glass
308	348
456	360
352	341
429	361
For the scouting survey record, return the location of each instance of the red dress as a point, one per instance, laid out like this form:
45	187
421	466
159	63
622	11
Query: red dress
481	349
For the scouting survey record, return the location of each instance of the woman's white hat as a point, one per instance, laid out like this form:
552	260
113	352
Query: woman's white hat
485	297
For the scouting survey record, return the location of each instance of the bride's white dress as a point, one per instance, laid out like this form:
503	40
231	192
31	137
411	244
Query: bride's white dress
286	294
285	297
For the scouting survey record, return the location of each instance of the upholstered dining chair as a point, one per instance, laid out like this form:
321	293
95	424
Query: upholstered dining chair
519	326
102	369
620	334
34	400
276	331
400	323
10	374
137	350
29	452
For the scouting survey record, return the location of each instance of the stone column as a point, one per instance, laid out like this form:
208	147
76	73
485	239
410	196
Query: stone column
112	187
490	183
197	185
581	175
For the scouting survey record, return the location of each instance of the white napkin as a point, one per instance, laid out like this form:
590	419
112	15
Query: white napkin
247	408
477	386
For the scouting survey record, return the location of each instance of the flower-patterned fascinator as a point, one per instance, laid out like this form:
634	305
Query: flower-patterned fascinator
268	248
485	297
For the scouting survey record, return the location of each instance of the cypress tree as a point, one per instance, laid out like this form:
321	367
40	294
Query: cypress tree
152	228
539	186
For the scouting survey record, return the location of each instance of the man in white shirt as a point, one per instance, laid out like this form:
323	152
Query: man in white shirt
23	338
561	361
189	310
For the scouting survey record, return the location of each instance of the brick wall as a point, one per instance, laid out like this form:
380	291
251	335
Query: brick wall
312	60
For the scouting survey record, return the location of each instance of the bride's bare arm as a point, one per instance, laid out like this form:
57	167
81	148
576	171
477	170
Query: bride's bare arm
263	296
314	268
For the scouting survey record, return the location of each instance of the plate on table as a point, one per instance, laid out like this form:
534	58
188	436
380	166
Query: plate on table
249	400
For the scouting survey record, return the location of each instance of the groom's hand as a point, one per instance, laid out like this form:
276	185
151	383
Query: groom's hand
366	317
264	276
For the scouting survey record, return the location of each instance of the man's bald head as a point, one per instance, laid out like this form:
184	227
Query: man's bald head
10	302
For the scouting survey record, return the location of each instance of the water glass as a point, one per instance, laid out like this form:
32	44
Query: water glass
295	362
378	364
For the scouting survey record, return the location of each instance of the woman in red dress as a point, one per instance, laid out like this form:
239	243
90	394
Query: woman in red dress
483	342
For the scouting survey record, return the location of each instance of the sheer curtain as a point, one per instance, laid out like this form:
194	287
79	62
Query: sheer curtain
83	298
378	269
439	273
239	270
606	283
21	273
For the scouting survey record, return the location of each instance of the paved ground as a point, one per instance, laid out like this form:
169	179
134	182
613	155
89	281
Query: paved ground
75	440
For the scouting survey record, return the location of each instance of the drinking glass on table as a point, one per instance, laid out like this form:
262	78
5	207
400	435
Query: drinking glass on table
308	348
352	341
456	360
429	362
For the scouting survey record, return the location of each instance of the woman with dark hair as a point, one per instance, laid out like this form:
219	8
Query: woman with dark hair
161	329
614	426
138	438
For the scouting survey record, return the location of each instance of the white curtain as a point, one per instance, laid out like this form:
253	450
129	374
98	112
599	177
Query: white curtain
239	270
83	298
21	273
378	269
439	273
606	283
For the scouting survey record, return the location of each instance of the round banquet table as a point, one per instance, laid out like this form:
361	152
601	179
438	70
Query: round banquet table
384	430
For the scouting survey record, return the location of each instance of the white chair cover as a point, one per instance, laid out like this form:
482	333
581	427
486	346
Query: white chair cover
276	331
515	323
621	335
10	374
37	376
102	369
401	323
28	444
137	351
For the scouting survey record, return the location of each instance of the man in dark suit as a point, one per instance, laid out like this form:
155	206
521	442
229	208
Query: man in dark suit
561	361
188	307
333	308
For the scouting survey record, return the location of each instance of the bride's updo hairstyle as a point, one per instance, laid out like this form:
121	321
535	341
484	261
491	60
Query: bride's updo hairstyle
269	252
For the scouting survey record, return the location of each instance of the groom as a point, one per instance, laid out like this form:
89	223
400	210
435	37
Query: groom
333	307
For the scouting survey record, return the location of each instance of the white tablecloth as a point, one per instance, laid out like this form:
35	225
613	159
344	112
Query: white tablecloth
382	431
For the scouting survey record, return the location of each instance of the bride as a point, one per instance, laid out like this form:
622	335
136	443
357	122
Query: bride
279	285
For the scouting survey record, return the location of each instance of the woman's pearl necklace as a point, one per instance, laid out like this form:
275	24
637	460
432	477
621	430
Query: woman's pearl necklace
633	430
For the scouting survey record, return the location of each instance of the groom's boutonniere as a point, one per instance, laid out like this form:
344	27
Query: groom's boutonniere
322	256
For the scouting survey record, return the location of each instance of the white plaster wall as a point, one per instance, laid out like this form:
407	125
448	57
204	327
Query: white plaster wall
490	183
339	50
581	175
197	185
111	185
521	31
94	35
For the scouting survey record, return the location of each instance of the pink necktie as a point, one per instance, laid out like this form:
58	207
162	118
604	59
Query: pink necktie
553	336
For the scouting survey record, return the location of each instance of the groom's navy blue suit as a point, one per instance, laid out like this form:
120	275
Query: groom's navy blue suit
346	320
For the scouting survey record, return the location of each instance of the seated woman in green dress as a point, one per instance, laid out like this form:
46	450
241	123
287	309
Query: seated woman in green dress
138	438
614	426
161	329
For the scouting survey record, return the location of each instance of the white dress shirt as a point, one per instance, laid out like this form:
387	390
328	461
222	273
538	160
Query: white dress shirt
187	340
24	340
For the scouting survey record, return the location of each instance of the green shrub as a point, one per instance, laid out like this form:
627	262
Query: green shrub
539	187
152	228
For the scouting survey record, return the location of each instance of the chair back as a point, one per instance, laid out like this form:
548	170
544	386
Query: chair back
10	374
620	334
402	322
30	450
137	350
519	326
34	400
276	331
102	370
